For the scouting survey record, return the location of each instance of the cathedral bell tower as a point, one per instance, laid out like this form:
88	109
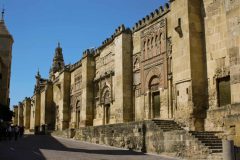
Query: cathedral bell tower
58	62
6	42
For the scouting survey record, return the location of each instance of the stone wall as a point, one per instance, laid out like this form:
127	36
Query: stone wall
88	73
47	108
61	99
76	95
226	119
63	133
15	118
222	34
143	136
20	114
26	112
149	60
178	54
232	127
113	80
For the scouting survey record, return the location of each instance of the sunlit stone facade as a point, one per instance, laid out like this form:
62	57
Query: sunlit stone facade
180	62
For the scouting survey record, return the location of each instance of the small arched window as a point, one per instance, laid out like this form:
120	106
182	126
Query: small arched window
144	46
152	41
156	40
148	43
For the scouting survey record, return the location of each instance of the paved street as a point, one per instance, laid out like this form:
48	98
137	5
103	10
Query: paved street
51	148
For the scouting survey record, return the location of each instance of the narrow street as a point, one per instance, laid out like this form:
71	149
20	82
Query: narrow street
51	148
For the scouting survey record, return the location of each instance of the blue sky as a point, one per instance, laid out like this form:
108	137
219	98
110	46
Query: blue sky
37	26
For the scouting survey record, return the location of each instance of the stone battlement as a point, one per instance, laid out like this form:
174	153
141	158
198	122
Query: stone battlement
76	65
117	32
88	52
151	17
27	98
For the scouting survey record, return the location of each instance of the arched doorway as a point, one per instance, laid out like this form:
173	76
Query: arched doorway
154	97
78	115
106	104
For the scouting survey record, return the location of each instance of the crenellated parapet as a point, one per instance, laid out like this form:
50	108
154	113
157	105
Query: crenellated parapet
20	104
161	11
97	52
76	65
15	106
88	52
27	99
117	32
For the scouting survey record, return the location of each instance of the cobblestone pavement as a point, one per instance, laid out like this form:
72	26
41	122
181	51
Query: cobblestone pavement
52	148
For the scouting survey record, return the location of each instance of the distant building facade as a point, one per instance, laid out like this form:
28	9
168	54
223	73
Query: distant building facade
15	117
181	62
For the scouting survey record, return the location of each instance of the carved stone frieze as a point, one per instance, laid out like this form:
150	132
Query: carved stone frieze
153	40
151	30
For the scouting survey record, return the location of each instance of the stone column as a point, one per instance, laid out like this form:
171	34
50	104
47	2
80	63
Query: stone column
228	149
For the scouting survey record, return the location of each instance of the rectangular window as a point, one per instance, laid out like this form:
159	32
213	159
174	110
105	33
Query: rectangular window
224	93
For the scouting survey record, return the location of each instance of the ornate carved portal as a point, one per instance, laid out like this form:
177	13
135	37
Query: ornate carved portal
75	103
153	66
103	98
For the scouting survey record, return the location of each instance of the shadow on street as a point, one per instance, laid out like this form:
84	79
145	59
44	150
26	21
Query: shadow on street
29	148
